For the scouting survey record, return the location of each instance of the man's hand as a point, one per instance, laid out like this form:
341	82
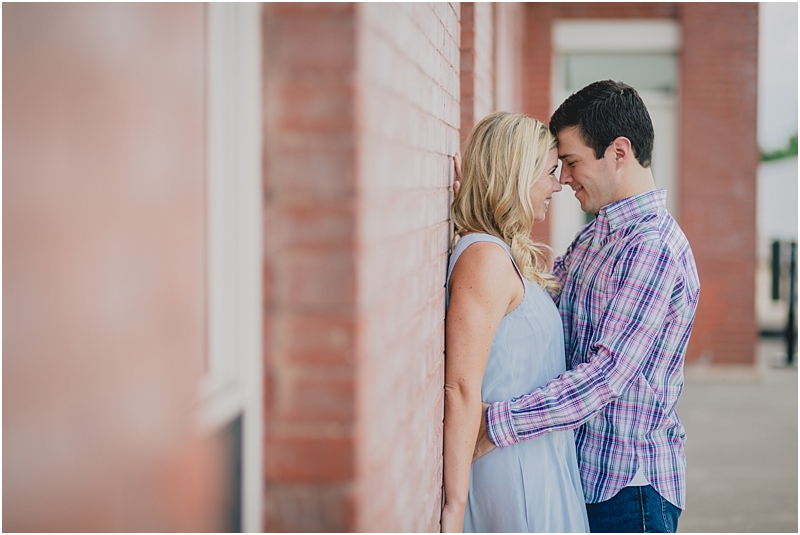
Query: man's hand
484	444
457	167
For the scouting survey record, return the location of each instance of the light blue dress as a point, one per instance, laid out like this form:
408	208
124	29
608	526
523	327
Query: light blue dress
534	485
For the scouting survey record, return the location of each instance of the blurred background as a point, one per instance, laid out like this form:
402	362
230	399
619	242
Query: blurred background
226	229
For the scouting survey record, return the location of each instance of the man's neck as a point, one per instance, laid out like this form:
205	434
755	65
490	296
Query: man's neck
639	180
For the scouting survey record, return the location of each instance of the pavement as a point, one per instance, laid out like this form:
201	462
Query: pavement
741	447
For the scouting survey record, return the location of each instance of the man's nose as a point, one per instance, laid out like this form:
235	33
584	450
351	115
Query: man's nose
564	178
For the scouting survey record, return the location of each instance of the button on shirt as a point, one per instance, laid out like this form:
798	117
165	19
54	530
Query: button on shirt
628	300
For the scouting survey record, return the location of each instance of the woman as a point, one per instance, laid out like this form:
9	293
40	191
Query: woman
503	336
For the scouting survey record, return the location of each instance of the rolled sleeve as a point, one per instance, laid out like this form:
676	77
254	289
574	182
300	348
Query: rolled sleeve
499	426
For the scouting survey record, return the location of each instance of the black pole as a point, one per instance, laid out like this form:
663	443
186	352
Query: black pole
776	270
790	331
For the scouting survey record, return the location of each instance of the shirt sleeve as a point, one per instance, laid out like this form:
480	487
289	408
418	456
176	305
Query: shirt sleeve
638	295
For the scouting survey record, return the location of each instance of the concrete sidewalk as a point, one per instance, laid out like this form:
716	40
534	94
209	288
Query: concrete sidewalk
741	449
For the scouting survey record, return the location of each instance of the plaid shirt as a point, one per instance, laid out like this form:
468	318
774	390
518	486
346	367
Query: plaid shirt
628	300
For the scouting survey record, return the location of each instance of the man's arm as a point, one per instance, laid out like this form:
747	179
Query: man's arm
484	444
639	292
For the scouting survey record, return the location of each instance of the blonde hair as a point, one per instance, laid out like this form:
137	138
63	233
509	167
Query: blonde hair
505	154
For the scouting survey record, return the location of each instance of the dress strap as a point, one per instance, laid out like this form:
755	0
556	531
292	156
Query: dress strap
466	241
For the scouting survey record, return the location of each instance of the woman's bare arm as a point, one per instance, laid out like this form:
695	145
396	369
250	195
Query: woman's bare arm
484	287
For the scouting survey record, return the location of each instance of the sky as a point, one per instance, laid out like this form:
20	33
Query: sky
777	70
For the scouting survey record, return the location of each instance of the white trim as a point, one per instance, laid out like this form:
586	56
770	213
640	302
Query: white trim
617	35
233	382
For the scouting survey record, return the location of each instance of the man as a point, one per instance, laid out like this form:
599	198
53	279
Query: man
628	301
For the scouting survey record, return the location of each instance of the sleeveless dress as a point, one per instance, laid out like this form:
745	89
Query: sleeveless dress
534	485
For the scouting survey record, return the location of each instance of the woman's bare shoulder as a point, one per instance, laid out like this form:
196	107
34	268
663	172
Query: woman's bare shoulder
485	269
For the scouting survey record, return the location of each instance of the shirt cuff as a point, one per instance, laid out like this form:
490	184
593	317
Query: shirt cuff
498	424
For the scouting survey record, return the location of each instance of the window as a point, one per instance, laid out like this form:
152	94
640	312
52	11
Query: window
657	73
231	391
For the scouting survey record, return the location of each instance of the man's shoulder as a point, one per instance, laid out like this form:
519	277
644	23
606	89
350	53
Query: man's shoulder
663	236
660	230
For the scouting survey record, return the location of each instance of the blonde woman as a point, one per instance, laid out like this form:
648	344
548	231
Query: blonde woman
503	337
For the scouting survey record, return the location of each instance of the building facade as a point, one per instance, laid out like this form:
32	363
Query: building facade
232	224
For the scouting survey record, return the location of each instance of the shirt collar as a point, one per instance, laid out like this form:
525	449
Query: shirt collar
617	214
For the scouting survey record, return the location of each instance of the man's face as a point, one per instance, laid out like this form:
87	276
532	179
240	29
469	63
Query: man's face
594	182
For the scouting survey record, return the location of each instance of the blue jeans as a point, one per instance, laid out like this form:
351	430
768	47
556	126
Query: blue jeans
633	510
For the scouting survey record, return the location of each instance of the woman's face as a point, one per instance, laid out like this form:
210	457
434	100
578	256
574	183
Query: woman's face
543	189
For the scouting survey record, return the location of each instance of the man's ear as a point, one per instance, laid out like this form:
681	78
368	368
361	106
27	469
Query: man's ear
621	150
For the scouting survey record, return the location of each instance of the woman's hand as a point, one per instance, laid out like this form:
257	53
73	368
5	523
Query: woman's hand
457	173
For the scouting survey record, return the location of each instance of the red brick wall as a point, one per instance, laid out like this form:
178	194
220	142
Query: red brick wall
719	158
408	109
718	151
537	58
509	20
615	10
361	119
484	73
309	265
477	65
104	269
491	61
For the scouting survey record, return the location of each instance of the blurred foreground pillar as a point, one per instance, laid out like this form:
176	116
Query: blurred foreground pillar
104	305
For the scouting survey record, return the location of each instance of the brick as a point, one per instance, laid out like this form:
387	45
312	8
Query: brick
316	43
317	459
309	225
306	104
303	10
312	166
321	340
319	395
316	281
297	507
617	10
